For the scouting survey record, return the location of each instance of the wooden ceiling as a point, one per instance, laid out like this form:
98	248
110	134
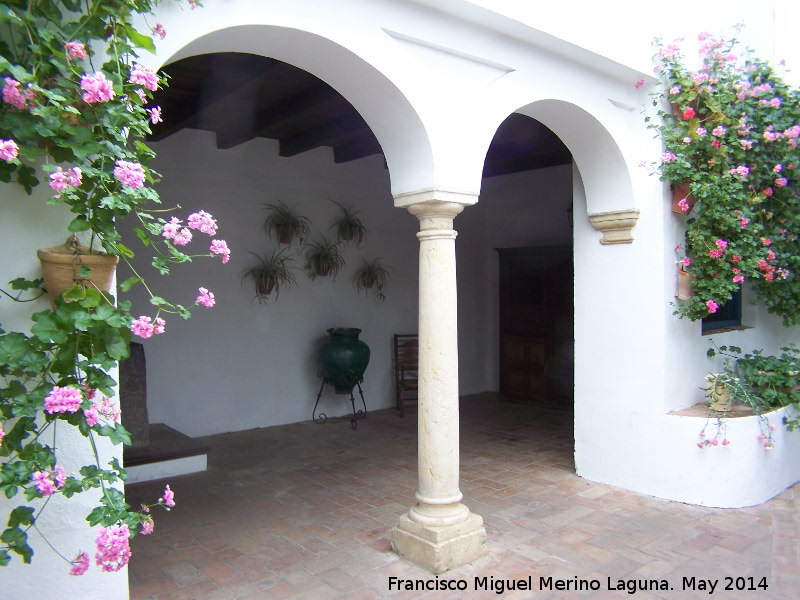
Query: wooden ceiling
243	96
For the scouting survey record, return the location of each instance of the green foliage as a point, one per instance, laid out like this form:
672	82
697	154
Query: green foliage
271	273
763	382
372	275
323	258
731	130
349	227
60	132
286	223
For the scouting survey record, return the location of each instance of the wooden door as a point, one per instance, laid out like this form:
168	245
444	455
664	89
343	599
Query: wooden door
536	324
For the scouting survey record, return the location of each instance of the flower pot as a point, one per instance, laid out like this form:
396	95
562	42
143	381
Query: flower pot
61	266
344	358
264	285
679	192
719	397
685	288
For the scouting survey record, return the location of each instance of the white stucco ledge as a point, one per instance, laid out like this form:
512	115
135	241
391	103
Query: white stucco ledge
741	474
616	225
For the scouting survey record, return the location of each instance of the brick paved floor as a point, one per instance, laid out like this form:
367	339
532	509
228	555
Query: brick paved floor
306	511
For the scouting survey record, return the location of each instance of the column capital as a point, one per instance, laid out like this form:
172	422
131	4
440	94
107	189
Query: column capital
435	216
434	195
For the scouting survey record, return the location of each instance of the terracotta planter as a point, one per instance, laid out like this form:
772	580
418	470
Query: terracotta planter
61	266
264	285
685	289
679	192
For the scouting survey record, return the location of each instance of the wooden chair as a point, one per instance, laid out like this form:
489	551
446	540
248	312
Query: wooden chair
406	358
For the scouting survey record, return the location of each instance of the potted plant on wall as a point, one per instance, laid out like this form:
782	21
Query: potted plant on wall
270	273
323	258
349	227
730	131
372	275
285	222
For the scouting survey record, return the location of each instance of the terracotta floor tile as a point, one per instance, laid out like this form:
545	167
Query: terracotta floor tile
307	513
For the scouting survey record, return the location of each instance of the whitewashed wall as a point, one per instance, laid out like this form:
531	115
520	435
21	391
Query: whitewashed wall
26	224
242	364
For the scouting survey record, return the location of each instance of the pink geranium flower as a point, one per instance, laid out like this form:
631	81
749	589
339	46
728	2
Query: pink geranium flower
75	50
80	564
129	173
63	399
221	247
205	298
712	306
168	497
97	88
8	150
203	221
145	76
113	549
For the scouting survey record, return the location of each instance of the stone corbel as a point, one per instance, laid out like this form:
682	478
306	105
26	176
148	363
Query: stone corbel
616	225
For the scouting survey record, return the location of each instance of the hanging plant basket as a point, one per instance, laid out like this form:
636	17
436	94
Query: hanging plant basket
685	288
679	192
61	268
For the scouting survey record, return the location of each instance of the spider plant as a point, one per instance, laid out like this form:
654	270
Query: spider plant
348	226
270	273
285	222
372	275
323	258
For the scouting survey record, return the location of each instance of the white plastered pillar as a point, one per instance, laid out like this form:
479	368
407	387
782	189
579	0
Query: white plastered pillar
438	533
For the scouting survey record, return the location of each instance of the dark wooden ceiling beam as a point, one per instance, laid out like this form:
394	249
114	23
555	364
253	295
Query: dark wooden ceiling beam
323	135
266	118
227	85
355	150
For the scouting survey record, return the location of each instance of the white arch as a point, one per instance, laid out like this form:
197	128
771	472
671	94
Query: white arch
383	106
605	174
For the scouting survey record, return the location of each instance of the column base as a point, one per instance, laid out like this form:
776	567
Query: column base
439	549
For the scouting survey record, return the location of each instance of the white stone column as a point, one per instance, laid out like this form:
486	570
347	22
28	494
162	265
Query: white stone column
439	532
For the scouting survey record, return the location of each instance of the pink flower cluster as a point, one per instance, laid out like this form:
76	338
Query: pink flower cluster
155	115
204	222
113	549
712	306
205	298
13	95
159	30
63	399
172	231
168	497
147	526
62	180
145	328
667	157
683	203
75	50
96	88
8	150
144	76
47	482
221	247
129	173
105	409
80	564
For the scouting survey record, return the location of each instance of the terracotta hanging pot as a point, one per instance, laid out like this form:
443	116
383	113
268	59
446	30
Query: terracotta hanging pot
679	192
685	288
61	268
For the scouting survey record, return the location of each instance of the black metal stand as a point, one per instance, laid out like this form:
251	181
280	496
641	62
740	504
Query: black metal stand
357	414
